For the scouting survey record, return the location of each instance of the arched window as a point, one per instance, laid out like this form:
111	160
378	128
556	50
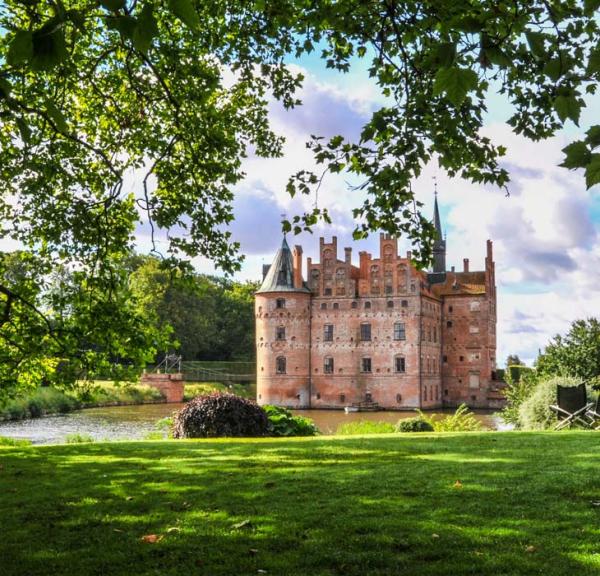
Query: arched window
390	304
280	365
336	306
367	305
280	333
354	304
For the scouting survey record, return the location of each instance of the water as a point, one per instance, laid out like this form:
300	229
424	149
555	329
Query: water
135	422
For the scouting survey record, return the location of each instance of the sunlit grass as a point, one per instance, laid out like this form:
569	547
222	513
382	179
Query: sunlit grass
430	504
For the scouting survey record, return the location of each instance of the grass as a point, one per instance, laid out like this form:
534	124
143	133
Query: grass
364	427
428	504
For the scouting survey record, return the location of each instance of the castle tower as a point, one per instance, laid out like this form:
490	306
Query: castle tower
282	311
439	247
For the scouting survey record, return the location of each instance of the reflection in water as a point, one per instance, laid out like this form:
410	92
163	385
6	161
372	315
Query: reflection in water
135	422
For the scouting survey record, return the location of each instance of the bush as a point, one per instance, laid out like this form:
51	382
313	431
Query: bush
13	442
283	423
78	438
417	424
516	392
463	420
534	412
364	427
220	414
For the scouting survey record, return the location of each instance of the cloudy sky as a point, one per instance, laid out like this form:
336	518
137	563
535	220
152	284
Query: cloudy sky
545	234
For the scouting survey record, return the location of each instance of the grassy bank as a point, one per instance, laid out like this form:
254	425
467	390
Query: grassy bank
476	503
46	401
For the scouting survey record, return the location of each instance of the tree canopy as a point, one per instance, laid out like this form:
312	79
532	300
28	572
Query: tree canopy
576	354
114	111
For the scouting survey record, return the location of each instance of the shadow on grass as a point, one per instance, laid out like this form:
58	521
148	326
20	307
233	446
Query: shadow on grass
447	504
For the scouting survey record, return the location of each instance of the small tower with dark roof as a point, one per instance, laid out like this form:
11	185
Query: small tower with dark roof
439	246
282	310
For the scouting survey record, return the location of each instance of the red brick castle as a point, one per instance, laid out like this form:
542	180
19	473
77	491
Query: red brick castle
382	332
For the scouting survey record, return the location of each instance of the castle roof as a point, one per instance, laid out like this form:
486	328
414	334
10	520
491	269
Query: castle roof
280	277
457	283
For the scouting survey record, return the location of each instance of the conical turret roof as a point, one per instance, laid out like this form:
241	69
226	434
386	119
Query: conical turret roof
280	277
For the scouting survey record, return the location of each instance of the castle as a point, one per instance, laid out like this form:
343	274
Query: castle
383	332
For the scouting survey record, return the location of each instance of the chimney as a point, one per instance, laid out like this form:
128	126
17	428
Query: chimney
452	269
297	255
348	255
465	264
409	255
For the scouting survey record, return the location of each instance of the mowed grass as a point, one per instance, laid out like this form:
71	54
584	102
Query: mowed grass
451	504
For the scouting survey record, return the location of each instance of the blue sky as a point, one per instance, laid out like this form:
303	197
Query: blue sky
546	242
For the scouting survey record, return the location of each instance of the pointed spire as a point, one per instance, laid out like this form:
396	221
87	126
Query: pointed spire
439	246
280	277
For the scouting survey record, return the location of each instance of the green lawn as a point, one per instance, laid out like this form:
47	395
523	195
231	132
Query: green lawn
451	504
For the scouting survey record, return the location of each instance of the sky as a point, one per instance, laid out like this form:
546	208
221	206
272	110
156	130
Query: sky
545	233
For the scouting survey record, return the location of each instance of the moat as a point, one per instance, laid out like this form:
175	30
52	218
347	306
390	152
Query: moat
136	422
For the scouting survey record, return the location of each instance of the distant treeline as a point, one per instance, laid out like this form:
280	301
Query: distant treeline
211	318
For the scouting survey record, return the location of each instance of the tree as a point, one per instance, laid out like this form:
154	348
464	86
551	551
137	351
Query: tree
173	94
514	360
575	354
207	318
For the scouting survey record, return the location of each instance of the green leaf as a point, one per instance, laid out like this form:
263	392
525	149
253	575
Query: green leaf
568	107
145	30
593	136
20	48
126	25
592	172
113	5
590	6
497	56
49	47
536	43
184	10
5	88
593	66
56	116
455	83
553	69
24	130
577	155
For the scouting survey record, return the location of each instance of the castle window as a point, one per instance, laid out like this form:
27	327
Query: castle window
449	324
280	364
280	333
399	331
354	304
367	305
398	398
435	333
404	303
389	288
323	306
365	332
280	303
462	358
445	358
412	287
390	304
318	396
445	392
328	333
399	364
475	306
336	306
328	365
449	308
327	291
342	398
365	365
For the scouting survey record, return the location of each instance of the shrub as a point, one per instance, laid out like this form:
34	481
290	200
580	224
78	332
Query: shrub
463	420
516	392
283	423
13	442
417	424
534	412
364	427
78	438
220	414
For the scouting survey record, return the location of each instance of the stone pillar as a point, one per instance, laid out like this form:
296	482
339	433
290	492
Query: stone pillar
169	385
